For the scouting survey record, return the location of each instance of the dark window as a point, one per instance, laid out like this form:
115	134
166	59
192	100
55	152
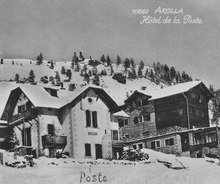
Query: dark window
125	121
140	146
169	142
127	136
88	118
134	146
145	102
26	136
147	117
135	120
50	129
28	104
22	108
153	146
49	109
158	144
139	103
88	149
94	119
120	122
19	109
114	134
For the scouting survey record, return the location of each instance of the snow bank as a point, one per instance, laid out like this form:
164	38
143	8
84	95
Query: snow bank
169	159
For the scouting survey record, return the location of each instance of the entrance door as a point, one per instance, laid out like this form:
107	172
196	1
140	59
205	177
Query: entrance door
98	149
26	137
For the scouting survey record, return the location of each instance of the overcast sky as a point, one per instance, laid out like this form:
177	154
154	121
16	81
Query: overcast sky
57	28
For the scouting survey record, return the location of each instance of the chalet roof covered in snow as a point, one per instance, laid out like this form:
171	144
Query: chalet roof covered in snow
121	114
73	96
40	97
175	89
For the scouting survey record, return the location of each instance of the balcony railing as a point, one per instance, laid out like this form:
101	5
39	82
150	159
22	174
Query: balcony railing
200	146
117	143
29	114
53	141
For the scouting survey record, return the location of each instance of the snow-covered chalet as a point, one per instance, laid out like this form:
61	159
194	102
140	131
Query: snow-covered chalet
174	119
82	123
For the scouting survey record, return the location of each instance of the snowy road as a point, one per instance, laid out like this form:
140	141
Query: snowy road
69	172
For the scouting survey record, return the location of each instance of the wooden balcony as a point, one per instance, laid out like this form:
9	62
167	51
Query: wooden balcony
117	143
53	141
27	115
200	146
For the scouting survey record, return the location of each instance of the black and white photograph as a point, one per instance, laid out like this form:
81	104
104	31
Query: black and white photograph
115	92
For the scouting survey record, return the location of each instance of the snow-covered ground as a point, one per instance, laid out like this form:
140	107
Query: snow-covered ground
71	171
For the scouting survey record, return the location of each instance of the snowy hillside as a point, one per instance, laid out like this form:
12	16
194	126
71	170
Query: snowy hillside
118	91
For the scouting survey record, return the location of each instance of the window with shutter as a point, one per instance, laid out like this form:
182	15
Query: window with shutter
50	128
135	120
87	149
88	118
94	119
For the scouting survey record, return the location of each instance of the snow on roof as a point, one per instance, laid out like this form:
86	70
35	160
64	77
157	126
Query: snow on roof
68	96
122	114
40	97
175	89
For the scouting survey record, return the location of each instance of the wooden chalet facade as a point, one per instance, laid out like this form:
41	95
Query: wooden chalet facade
170	110
34	122
186	109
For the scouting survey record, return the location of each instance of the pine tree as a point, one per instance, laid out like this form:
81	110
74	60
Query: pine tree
140	74
81	58
103	60
52	64
13	62
146	73
134	74
151	75
127	63
31	76
77	67
132	62
96	80
166	68
69	74
63	70
141	65
39	59
118	60
172	73
1	60
17	77
75	60
184	76
108	60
